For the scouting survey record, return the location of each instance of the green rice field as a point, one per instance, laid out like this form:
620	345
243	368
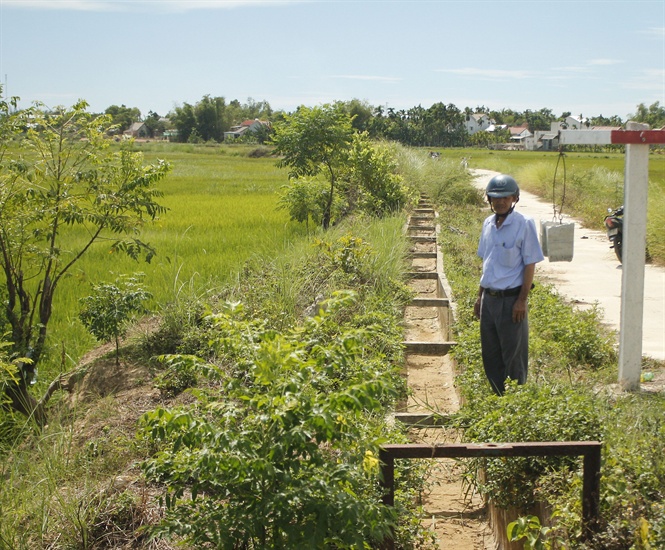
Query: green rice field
222	210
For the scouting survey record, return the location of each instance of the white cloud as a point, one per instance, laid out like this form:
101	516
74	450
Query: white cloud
570	69
656	32
491	74
366	78
142	5
604	62
648	80
75	5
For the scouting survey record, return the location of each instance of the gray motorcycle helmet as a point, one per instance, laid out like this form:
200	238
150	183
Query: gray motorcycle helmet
502	186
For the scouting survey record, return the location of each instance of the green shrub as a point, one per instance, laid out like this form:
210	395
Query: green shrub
633	478
179	375
563	336
529	413
305	198
281	461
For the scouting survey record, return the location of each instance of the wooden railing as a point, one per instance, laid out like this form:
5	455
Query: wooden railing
590	450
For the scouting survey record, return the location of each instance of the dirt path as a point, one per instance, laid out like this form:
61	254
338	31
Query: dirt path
456	515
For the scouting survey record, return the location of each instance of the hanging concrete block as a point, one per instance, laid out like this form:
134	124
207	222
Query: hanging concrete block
560	239
543	235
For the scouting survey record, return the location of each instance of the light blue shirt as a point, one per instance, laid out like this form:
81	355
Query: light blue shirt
506	250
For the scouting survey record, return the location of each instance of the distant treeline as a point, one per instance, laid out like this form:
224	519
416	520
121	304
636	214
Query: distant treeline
441	125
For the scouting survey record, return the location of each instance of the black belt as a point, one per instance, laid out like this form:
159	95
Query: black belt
501	293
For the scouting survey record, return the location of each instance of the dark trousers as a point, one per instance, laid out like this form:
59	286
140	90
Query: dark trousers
505	345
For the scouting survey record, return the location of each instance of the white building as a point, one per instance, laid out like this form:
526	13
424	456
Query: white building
575	123
245	126
477	122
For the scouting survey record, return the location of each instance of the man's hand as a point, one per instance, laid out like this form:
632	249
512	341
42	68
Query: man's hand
519	310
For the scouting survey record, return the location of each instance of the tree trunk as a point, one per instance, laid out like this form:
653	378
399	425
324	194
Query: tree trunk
23	402
327	214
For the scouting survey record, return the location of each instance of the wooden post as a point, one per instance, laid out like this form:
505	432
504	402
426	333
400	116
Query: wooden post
387	462
636	190
591	490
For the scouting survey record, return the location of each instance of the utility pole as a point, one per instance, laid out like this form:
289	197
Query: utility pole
637	138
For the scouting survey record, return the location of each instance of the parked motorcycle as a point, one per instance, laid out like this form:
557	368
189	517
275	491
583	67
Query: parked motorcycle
614	226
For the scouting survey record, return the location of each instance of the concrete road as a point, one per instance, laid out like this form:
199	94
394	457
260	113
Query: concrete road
594	274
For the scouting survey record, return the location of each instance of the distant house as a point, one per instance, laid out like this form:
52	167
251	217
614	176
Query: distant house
244	127
171	134
576	123
137	130
519	134
477	122
549	140
496	127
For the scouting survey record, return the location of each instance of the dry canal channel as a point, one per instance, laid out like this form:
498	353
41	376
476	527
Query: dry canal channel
451	510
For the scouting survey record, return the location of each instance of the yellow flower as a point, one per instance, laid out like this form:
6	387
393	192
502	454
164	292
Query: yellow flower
370	463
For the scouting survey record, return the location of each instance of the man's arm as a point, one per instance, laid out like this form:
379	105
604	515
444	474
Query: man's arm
519	309
476	306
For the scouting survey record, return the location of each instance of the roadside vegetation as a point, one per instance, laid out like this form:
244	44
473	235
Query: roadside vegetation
264	394
588	183
570	396
248	410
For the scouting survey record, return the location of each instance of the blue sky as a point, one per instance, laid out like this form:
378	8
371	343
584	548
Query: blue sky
586	57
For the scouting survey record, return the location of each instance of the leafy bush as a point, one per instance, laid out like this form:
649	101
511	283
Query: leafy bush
534	534
632	483
306	198
107	312
179	375
375	178
283	459
562	336
529	413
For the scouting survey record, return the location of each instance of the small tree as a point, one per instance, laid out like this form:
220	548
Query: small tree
305	198
374	177
123	116
108	312
313	141
60	174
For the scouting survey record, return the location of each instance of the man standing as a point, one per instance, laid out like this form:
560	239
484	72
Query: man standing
509	249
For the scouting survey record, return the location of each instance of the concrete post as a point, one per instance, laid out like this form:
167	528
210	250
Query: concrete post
636	190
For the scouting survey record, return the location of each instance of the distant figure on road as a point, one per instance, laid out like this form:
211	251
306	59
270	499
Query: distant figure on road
510	250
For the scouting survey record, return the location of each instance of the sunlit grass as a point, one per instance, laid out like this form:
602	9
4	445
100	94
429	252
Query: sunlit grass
222	210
